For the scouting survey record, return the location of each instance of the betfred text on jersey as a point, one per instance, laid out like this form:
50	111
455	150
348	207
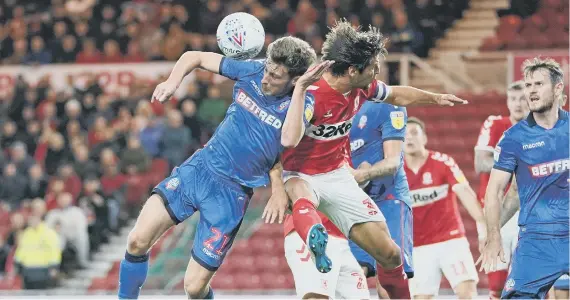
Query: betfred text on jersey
329	131
245	101
425	196
549	168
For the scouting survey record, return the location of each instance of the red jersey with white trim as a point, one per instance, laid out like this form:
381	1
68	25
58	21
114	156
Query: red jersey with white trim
489	136
434	204
325	145
288	226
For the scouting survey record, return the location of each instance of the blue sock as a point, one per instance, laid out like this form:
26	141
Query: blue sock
132	275
210	294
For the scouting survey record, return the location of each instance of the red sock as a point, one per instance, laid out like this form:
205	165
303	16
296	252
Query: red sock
497	281
394	281
304	217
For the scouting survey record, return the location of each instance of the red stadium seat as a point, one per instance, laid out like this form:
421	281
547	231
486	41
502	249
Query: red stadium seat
491	43
10	283
249	281
225	281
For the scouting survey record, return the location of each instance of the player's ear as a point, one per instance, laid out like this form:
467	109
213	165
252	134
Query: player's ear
352	71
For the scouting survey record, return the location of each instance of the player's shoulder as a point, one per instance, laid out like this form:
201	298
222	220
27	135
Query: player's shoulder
440	158
249	66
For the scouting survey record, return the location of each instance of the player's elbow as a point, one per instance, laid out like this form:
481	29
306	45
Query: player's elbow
289	140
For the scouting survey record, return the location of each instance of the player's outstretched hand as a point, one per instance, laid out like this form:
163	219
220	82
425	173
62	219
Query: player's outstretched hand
492	251
276	207
449	100
164	91
314	73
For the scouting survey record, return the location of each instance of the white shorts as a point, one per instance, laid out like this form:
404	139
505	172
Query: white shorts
510	237
452	258
340	198
346	280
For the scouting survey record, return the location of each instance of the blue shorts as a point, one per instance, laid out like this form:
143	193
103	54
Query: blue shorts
537	263
222	203
563	283
399	219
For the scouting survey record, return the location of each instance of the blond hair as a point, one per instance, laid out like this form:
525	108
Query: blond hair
554	70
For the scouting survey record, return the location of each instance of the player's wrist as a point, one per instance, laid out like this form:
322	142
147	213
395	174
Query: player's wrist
481	230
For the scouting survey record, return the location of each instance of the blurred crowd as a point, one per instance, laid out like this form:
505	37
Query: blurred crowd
78	162
96	31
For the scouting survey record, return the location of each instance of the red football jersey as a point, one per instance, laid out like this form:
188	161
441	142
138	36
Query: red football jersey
329	226
491	132
434	205
324	146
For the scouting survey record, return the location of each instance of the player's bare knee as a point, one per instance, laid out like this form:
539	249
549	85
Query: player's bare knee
420	297
298	188
137	243
195	289
390	258
308	296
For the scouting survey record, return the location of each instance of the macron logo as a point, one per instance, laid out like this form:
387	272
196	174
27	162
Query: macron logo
533	145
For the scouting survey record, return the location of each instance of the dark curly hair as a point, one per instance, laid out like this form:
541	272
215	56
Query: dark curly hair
349	46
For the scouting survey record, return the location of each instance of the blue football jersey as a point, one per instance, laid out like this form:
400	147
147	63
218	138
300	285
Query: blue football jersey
247	143
539	159
373	124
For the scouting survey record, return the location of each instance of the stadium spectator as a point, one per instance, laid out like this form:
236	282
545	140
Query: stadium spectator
38	254
73	224
404	38
20	158
4	253
68	51
89	52
12	187
188	109
38	54
213	108
176	139
112	52
150	136
134	160
37	184
83	165
17	226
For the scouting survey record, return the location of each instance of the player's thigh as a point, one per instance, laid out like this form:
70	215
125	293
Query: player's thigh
364	259
298	185
536	265
352	283
399	218
197	279
153	220
221	214
458	265
307	279
427	271
344	202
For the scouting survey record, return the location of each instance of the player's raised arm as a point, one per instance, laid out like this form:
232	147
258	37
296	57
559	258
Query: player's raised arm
407	95
294	125
189	61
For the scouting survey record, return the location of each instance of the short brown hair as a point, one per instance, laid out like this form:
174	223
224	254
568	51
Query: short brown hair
293	53
417	121
554	70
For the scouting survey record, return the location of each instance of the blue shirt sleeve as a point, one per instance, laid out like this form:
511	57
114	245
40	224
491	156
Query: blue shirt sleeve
394	119
309	108
236	69
505	154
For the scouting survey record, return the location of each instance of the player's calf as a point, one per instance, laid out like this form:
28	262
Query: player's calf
466	289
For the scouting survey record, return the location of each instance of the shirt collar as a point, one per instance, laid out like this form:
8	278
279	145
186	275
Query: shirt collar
532	122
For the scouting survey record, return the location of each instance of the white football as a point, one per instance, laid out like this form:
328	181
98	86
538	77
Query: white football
240	36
